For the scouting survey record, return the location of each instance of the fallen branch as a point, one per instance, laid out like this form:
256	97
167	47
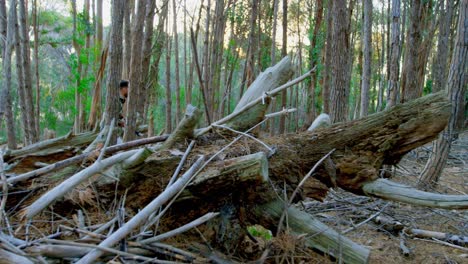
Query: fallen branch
64	187
205	218
393	191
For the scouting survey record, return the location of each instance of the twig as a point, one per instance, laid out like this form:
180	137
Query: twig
437	241
280	224
104	248
181	229
367	220
246	135
404	249
181	163
280	113
141	216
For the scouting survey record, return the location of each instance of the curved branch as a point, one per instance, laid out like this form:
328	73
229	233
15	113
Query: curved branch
389	190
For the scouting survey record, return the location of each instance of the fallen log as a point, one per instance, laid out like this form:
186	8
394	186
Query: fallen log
389	190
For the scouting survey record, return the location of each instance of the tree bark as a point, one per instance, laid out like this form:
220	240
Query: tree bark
340	52
284	53
135	108
5	97
37	111
328	60
115	63
394	63
456	89
442	55
30	122
127	50
146	60
367	52
176	55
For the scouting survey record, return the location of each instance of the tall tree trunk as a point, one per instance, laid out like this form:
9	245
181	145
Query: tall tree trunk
456	89
95	111
394	63
411	84
76	46
26	64
3	26
176	55
328	60
168	129
247	77
440	64
146	60
273	32
340	53
35	20
127	51
5	97
206	59
314	54
367	52
135	95
284	52
115	63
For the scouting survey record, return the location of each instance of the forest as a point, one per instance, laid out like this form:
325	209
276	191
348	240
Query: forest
233	131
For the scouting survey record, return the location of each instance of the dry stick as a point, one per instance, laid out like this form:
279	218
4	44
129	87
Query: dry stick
282	112
366	221
246	135
181	163
141	216
107	249
109	135
280	224
200	80
80	158
188	226
272	93
64	187
437	241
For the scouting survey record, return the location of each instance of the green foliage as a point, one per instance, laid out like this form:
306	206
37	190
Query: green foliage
260	231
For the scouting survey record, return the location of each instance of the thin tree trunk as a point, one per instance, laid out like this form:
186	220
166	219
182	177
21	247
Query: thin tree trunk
176	55
206	58
314	54
168	89
5	97
35	19
440	64
456	89
273	32
3	27
115	63
20	77
367	52
146	60
26	64
247	77
135	109
127	50
284	52
328	60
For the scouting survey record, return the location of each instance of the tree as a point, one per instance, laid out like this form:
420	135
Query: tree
284	52
115	62
35	19
393	80
176	55
127	51
135	108
5	97
339	58
328	60
456	89
367	52
25	64
3	25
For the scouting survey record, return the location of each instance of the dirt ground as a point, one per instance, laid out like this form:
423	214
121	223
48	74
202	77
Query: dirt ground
343	210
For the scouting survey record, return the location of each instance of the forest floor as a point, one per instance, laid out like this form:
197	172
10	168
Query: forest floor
342	210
